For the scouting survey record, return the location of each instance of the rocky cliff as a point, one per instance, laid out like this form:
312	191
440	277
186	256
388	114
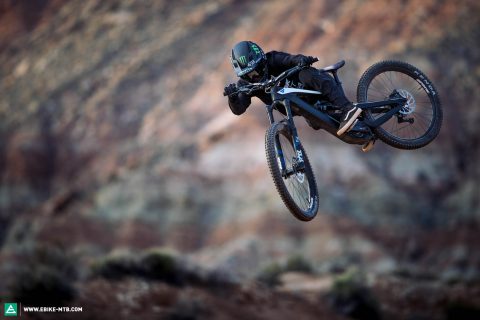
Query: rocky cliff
115	135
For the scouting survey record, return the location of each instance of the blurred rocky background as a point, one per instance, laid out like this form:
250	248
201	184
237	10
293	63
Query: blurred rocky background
128	187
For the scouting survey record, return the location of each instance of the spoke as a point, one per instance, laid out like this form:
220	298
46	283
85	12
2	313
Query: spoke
407	134
381	92
383	85
380	85
292	188
390	79
372	96
412	131
293	191
298	193
423	102
401	128
424	113
416	131
426	123
305	192
421	116
409	83
384	82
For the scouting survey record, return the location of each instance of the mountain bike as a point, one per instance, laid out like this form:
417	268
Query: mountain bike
400	107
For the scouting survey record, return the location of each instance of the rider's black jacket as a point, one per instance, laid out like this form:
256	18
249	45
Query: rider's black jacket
277	62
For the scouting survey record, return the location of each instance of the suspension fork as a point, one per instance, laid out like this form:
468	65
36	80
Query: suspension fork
299	163
297	146
278	147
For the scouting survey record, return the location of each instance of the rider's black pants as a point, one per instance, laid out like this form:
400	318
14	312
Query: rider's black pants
325	83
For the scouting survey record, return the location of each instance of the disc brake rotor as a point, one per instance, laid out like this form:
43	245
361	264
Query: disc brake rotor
410	105
300	177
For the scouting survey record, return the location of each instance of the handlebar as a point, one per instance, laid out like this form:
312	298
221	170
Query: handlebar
248	89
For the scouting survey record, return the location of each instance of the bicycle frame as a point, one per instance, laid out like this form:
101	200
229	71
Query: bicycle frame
291	101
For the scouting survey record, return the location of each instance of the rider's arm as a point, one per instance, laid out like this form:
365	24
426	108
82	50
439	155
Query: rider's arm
285	60
238	103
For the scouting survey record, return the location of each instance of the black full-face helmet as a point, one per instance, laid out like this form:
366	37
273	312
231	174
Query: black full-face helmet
249	61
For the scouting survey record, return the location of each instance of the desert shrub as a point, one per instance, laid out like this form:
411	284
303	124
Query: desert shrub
298	263
161	265
45	276
116	266
462	310
166	266
350	296
270	275
154	264
157	264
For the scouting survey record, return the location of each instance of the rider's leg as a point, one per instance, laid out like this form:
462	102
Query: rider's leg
326	84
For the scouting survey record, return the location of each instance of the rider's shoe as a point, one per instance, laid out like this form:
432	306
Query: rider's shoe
349	116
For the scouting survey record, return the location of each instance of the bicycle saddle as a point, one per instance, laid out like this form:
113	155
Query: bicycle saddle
334	67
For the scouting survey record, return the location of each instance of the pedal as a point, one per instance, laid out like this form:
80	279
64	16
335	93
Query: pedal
368	146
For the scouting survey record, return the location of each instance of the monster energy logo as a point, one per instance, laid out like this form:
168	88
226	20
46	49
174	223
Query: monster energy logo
256	49
242	60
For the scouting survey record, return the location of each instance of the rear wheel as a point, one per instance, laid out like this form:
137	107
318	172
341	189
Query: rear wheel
296	186
419	120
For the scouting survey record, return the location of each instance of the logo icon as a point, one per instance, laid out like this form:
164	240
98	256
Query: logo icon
256	49
242	60
10	309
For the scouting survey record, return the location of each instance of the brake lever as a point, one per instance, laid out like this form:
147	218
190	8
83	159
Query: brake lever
247	91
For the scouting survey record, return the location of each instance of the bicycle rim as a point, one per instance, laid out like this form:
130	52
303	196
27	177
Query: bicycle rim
297	183
419	107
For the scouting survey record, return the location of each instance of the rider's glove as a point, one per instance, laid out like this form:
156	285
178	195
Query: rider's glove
230	90
306	60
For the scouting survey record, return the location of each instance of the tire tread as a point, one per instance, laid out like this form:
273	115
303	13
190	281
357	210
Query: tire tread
278	180
407	68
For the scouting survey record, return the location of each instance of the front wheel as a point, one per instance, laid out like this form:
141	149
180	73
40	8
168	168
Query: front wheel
419	120
295	183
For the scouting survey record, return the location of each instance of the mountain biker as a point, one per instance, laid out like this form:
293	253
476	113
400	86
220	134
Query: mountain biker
252	65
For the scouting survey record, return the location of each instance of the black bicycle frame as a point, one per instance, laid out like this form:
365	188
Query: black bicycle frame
289	101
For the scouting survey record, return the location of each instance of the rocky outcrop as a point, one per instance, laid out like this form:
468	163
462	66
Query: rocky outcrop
114	133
